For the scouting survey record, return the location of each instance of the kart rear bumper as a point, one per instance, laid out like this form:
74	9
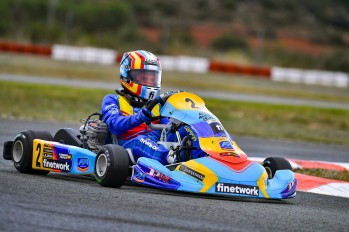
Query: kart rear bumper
7	152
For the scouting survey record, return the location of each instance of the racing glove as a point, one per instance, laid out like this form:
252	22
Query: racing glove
145	115
161	99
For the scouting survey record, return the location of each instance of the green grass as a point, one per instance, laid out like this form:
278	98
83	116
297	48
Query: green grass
42	66
59	103
48	102
328	174
283	121
254	86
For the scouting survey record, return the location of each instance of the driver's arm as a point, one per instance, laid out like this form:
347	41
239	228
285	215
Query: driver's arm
118	123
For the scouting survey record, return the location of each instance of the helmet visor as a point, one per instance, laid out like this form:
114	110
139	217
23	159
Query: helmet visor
150	78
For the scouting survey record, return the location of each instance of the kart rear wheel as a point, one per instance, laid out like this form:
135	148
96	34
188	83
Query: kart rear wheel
273	164
112	166
22	150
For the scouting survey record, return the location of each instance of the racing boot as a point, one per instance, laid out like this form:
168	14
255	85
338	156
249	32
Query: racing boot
172	156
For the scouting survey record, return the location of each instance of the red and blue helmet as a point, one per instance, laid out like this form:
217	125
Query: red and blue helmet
140	74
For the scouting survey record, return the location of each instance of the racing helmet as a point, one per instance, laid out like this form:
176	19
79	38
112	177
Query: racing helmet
140	74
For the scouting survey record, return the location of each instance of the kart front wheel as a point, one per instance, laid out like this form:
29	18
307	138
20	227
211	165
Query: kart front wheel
273	164
22	150
112	166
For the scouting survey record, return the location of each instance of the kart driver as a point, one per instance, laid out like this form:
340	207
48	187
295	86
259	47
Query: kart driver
126	113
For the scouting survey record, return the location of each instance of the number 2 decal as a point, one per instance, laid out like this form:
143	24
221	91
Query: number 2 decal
38	148
192	103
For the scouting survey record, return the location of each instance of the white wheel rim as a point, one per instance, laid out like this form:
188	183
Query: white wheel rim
269	172
17	152
101	165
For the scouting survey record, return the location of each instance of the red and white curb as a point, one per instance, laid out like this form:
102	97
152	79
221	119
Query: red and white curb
324	186
314	184
300	164
321	164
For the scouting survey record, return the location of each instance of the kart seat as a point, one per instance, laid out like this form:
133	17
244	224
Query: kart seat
68	136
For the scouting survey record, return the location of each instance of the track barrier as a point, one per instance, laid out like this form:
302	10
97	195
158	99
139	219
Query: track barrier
183	64
26	48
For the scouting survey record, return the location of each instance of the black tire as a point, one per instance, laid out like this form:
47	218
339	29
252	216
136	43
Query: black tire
273	164
22	150
112	166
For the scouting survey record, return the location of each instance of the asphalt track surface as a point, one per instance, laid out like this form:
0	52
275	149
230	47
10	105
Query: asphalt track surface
59	202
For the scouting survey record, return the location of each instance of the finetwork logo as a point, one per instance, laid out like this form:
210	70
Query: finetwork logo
56	164
237	189
151	95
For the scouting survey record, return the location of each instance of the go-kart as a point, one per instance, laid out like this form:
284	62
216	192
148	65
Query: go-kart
224	170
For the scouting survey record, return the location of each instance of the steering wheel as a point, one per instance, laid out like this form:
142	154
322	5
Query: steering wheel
161	99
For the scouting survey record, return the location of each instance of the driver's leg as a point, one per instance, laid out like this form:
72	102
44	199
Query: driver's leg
144	146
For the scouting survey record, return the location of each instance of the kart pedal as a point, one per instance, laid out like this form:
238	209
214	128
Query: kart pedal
7	153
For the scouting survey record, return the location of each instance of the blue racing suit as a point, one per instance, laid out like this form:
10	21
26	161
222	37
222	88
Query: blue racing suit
127	122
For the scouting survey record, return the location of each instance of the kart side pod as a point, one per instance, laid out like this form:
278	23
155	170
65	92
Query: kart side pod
35	152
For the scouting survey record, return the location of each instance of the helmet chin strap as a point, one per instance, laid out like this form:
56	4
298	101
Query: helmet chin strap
134	101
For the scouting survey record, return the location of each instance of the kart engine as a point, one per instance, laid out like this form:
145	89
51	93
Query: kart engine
95	134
